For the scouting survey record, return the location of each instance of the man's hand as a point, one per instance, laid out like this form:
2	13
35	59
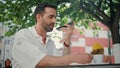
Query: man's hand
68	30
107	59
82	58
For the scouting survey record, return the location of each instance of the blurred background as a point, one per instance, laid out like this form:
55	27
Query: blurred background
95	21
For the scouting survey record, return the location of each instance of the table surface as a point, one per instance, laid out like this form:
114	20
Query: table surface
89	66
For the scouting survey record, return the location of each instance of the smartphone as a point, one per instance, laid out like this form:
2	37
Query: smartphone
70	23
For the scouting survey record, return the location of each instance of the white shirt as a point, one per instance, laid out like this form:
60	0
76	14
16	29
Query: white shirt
28	48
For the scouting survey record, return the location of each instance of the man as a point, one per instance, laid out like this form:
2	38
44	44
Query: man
33	48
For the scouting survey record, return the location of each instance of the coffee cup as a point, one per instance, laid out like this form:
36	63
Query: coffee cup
98	58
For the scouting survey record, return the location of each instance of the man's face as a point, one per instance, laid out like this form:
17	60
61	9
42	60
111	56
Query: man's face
48	19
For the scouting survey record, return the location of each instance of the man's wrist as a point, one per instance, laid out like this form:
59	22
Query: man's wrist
67	44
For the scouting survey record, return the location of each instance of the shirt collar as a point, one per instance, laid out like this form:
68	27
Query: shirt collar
32	29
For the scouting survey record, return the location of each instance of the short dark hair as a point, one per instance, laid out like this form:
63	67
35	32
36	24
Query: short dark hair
41	7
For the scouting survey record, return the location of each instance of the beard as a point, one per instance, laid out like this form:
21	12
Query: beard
48	26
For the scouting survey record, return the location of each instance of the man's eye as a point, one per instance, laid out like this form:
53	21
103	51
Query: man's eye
50	16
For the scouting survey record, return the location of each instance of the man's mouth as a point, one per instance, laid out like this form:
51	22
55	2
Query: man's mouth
51	25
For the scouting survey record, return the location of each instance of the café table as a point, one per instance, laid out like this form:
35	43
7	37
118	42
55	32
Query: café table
89	66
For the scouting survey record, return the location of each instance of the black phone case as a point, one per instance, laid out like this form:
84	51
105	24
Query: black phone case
70	23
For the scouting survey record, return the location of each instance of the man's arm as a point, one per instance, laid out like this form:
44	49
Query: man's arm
54	61
67	38
67	48
64	60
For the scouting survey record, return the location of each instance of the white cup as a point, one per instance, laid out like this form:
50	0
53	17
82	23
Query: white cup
98	59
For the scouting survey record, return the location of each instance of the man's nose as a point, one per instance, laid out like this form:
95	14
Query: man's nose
54	20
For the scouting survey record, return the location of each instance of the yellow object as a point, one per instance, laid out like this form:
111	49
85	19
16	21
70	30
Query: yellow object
97	46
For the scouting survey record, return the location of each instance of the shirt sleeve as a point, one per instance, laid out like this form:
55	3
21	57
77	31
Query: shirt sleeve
26	53
57	52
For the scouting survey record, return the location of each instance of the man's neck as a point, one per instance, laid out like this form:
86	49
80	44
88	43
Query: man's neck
41	32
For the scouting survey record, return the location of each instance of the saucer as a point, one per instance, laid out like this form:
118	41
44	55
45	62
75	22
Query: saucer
99	63
87	63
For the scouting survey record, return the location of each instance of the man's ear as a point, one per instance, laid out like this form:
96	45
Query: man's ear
38	16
